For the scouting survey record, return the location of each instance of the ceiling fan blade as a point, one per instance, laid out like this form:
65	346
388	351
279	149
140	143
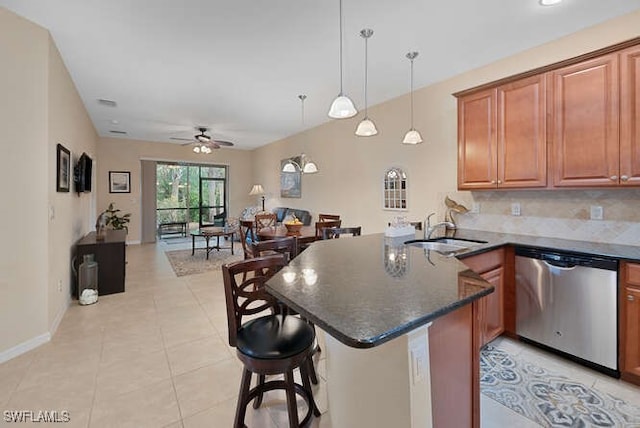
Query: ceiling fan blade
223	143
180	139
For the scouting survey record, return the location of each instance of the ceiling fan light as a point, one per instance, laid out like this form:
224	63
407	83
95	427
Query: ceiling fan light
342	108
196	149
289	167
310	167
366	128
412	137
549	2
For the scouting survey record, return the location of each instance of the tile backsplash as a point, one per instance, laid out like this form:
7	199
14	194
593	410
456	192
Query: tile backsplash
555	213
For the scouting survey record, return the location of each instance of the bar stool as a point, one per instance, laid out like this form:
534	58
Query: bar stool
272	344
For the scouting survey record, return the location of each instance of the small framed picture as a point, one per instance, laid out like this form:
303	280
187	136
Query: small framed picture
119	182
63	169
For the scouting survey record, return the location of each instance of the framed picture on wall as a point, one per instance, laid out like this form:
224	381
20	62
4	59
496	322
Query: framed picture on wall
63	169
290	182
119	182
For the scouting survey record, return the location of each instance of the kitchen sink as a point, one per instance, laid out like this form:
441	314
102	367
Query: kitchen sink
447	246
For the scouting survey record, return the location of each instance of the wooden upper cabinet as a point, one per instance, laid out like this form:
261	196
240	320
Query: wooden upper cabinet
477	167
630	116
522	139
585	123
502	136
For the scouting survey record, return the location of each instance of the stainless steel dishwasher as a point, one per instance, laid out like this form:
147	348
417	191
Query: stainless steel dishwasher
568	302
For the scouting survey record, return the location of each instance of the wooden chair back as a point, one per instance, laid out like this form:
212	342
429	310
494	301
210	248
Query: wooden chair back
244	289
265	220
335	232
328	217
247	236
287	246
324	224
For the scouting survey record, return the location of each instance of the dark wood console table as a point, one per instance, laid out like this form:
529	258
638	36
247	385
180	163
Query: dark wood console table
110	255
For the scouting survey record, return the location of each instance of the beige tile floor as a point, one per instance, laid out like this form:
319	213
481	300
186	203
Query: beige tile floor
157	356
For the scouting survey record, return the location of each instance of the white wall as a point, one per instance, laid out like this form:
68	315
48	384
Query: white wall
39	108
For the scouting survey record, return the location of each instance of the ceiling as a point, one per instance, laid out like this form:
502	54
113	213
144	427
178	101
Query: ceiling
238	66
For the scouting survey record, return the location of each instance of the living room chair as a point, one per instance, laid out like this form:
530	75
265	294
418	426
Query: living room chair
335	232
247	237
273	344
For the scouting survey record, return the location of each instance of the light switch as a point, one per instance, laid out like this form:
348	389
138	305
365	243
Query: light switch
419	363
52	213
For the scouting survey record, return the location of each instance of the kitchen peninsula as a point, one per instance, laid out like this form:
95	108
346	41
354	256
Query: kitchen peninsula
401	326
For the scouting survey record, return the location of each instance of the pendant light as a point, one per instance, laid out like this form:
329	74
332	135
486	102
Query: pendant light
412	136
307	166
342	107
366	128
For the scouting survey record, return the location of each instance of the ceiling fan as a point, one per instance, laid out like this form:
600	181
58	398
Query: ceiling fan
202	142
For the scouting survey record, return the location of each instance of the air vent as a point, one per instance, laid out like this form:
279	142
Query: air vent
118	132
107	103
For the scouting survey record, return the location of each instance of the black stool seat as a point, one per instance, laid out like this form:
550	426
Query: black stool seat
274	337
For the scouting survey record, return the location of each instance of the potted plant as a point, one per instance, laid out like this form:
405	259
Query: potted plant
114	220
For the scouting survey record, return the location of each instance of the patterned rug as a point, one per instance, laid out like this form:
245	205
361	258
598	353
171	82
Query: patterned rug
548	398
183	263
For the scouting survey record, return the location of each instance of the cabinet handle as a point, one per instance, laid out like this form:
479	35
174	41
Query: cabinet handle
630	297
624	178
614	177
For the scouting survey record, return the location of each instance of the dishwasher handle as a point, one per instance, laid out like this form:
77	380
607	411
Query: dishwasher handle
560	265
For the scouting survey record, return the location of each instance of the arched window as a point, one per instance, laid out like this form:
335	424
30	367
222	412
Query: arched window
395	190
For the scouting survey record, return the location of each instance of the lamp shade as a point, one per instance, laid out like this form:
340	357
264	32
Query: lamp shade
256	190
342	108
289	167
310	167
366	128
412	137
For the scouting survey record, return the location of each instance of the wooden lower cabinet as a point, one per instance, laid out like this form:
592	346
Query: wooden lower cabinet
491	267
630	323
455	374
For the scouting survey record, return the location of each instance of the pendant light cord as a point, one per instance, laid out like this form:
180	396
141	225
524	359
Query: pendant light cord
341	48
366	77
411	79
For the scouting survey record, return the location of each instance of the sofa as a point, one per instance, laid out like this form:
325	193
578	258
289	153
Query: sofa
283	213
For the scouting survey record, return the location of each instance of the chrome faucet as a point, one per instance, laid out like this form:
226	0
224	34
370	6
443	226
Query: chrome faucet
428	229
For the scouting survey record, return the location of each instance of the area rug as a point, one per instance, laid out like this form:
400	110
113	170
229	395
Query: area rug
183	263
548	398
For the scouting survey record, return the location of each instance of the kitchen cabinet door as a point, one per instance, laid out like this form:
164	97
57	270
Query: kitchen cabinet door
585	123
630	117
477	145
493	323
630	323
522	135
490	266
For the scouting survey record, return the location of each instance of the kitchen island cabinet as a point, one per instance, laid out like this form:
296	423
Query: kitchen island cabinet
394	316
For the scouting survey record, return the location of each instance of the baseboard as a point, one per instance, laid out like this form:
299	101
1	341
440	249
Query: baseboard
58	319
24	347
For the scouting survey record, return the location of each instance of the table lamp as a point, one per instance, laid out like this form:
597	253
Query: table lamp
258	190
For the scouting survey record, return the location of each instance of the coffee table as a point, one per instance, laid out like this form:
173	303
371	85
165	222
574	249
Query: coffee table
212	232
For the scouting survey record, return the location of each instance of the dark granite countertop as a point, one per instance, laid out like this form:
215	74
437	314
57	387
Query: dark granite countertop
367	290
495	240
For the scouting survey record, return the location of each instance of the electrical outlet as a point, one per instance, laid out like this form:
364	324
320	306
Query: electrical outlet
475	208
597	213
60	286
515	208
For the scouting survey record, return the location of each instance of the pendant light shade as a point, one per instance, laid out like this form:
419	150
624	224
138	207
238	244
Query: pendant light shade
412	136
342	107
309	167
366	128
289	167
